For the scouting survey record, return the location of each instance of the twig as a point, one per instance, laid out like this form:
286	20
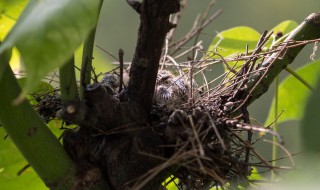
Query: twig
284	149
176	19
110	54
192	33
121	53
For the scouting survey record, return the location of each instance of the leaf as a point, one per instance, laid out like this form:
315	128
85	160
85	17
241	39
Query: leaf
255	175
293	95
9	13
48	32
232	42
5	25
12	8
31	135
43	88
11	162
310	124
284	27
173	183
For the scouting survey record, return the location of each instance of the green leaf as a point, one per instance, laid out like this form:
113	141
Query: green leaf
284	27
12	8
310	124
11	162
172	185
255	175
48	32
234	40
293	95
5	25
31	135
43	88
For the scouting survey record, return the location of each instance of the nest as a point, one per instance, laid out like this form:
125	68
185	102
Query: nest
207	136
198	131
200	135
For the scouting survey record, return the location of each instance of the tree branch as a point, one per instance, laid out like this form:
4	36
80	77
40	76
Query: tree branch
68	82
154	17
87	56
259	82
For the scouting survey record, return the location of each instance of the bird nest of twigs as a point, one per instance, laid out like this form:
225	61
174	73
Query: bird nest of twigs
207	130
198	131
207	136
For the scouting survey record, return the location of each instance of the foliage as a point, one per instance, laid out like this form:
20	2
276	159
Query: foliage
243	40
310	130
234	41
46	39
293	95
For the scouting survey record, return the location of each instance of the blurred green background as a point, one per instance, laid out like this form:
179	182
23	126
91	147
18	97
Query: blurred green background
119	23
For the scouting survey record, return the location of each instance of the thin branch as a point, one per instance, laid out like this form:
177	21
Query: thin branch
121	53
192	33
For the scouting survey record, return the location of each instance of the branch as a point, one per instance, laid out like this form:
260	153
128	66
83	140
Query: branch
154	25
176	46
259	83
68	82
87	56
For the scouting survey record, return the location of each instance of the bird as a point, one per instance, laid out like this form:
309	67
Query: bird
170	90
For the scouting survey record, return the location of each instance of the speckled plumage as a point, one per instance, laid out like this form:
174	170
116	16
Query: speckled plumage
170	90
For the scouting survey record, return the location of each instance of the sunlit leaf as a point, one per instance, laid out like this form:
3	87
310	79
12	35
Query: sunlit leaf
15	61
5	25
12	8
171	184
9	13
284	27
48	32
293	95
255	175
233	42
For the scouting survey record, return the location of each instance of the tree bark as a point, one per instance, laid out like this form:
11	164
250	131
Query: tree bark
154	25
